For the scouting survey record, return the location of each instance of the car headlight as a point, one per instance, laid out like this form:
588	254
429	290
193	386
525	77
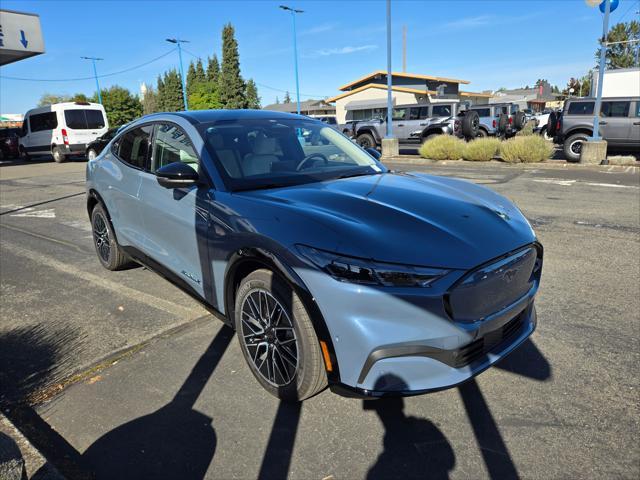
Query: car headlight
369	272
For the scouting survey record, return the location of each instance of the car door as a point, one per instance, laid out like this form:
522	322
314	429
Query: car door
416	121
615	124
175	219
38	139
635	125
124	164
399	118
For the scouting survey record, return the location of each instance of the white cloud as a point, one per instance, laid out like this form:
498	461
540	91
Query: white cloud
466	22
325	52
322	28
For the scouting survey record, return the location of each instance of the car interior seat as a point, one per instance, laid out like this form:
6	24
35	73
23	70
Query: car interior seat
262	158
229	157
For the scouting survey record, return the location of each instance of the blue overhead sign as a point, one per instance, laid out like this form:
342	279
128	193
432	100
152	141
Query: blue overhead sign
614	5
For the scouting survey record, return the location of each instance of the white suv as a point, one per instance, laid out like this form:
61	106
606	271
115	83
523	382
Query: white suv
62	129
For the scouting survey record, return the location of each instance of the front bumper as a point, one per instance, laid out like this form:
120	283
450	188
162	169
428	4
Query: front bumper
399	341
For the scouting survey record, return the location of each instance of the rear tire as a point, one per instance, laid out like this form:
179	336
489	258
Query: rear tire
110	254
24	155
366	140
573	146
286	360
58	155
482	133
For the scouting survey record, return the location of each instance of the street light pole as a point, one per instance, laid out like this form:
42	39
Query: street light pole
295	50
603	57
178	41
389	79
95	74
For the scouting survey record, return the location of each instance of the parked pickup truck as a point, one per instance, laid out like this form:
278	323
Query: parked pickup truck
619	124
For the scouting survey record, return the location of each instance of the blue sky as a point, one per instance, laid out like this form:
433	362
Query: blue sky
493	44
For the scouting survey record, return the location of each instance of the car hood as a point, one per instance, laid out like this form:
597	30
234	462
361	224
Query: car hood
407	218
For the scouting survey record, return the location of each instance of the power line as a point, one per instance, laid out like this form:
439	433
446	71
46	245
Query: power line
633	4
89	78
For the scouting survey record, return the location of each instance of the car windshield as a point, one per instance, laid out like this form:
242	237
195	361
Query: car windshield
270	153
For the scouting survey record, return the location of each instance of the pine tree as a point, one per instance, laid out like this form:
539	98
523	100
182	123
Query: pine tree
205	96
277	101
160	93
172	92
231	85
251	94
200	76
287	97
191	78
213	69
150	101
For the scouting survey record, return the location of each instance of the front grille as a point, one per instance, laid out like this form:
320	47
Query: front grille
476	349
491	288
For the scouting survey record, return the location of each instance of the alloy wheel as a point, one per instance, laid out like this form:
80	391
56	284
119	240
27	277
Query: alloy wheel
269	336
576	146
101	237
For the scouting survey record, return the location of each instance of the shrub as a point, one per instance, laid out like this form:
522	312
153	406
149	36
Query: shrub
443	147
527	149
527	129
481	149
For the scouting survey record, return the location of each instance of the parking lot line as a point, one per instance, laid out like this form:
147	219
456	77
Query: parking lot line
118	288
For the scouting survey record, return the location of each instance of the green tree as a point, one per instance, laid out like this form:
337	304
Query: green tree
585	85
205	96
170	92
79	97
51	98
150	101
160	93
200	76
213	69
121	106
287	97
253	100
622	55
572	83
191	78
231	85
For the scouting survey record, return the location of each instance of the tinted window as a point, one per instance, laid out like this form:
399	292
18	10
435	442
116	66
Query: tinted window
638	109
441	111
580	108
43	121
9	132
329	120
399	113
133	146
615	109
414	113
83	119
171	145
483	112
424	113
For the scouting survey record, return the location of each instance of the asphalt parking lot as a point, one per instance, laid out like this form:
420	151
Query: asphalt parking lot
160	388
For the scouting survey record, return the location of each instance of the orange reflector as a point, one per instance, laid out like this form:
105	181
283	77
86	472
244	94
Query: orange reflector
327	359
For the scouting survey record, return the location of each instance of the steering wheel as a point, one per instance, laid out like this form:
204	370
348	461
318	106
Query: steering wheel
309	157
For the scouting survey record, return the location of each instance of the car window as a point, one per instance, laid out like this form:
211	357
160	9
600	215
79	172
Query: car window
580	108
43	121
514	109
614	109
414	113
83	119
255	153
399	113
441	111
483	112
133	146
172	145
424	113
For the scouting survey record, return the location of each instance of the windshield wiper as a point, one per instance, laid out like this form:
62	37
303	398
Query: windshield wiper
357	174
265	186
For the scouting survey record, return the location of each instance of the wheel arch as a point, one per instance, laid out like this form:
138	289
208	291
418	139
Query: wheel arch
583	130
246	260
370	131
432	131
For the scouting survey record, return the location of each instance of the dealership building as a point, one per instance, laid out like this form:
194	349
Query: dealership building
367	96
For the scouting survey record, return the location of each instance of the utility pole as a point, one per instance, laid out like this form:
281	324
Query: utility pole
404	49
295	50
603	57
95	74
178	41
389	79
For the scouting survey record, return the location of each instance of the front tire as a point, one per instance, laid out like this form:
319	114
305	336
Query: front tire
110	254
573	146
482	133
277	338
366	140
58	155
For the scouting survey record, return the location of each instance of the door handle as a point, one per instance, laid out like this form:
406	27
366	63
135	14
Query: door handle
401	124
423	124
636	123
603	123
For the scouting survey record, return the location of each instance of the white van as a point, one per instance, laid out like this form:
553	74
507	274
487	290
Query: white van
62	129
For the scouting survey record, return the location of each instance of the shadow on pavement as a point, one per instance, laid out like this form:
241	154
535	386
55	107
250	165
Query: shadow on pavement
173	442
413	447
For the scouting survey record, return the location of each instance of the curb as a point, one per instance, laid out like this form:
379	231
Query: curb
19	459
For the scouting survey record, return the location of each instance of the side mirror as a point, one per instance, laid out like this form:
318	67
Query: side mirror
373	152
176	175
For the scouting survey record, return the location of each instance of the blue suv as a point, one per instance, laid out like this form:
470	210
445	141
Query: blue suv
332	269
